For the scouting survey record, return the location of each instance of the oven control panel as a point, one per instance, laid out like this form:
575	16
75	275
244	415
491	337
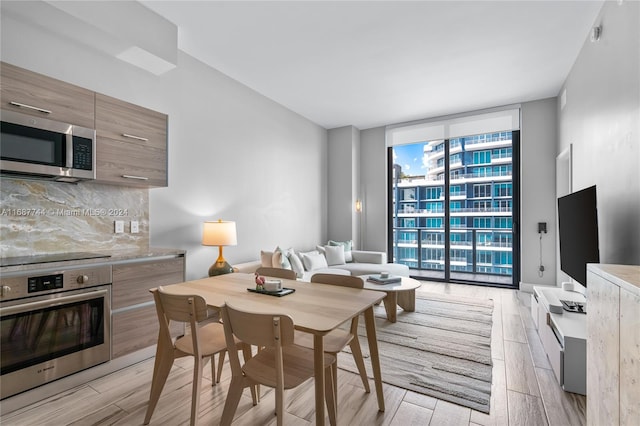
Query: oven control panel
29	284
44	283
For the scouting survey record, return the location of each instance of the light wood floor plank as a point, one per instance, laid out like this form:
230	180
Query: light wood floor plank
362	408
512	324
497	336
521	376
424	401
525	314
512	327
448	414
411	415
498	414
563	408
538	355
525	410
107	416
65	408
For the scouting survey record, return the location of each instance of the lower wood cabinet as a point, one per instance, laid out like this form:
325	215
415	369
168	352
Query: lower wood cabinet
132	281
134	319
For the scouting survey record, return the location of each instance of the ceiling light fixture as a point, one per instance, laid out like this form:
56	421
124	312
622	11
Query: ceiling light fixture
596	32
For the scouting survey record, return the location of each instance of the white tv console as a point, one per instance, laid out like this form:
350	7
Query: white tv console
563	335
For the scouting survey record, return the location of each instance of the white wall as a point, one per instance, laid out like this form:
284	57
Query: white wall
601	119
233	154
373	177
343	181
359	157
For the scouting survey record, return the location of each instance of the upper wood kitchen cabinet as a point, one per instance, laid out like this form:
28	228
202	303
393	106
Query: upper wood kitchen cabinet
131	143
45	97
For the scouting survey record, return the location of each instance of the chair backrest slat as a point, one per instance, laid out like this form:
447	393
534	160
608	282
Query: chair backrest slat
258	328
182	307
335	279
286	274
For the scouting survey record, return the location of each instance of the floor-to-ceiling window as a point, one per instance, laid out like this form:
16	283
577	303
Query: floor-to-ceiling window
453	207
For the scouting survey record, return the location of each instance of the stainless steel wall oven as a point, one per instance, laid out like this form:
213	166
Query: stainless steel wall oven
53	324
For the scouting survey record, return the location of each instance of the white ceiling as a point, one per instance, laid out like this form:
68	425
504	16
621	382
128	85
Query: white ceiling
372	63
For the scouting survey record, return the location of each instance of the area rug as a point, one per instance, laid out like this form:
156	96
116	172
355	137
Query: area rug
443	349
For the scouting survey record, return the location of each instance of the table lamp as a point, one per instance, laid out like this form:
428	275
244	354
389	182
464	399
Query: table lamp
220	233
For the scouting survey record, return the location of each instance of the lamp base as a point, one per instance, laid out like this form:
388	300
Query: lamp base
220	268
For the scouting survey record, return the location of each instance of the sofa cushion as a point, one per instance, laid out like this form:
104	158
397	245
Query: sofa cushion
266	258
330	270
296	264
348	246
247	267
334	255
281	258
313	260
361	256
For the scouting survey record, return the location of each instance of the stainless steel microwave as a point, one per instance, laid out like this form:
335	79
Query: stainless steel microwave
33	147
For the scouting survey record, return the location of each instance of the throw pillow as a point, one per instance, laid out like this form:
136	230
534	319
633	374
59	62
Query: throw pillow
282	261
296	264
334	255
276	259
266	258
313	260
348	246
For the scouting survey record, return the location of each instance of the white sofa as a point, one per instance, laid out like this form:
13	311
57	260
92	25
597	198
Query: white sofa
359	262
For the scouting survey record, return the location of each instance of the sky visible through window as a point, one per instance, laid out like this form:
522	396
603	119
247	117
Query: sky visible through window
410	158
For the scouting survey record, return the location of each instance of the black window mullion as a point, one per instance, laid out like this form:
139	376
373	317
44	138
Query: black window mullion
447	213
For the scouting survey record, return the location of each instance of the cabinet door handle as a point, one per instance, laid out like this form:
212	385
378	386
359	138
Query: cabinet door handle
134	137
135	177
19	105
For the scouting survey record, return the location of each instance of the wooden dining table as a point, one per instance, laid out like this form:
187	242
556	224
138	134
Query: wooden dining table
316	309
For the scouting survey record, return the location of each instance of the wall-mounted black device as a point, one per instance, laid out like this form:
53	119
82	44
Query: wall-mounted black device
542	227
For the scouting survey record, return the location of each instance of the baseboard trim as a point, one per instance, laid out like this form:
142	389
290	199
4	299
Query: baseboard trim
528	287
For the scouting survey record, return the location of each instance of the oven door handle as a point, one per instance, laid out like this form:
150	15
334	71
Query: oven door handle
25	307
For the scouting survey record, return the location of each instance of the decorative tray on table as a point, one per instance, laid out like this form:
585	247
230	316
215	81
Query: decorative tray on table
278	293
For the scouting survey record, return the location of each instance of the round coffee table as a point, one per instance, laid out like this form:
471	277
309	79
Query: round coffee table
401	293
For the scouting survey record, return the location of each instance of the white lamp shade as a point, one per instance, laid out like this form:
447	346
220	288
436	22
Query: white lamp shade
219	233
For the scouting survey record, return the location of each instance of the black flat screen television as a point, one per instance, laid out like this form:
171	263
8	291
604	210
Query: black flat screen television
578	233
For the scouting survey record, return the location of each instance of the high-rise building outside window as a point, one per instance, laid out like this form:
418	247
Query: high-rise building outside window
476	175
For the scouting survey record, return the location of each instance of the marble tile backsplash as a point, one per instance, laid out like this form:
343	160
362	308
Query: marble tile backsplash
38	217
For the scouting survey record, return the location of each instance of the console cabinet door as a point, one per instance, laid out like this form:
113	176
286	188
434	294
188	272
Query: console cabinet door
45	97
629	358
603	352
131	144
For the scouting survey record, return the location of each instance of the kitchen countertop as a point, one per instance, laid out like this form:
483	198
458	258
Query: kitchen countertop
115	256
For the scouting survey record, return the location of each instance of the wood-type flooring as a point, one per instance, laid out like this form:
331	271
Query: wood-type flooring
524	389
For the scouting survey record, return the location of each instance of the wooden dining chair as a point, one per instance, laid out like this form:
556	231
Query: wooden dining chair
286	274
280	364
338	339
202	342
